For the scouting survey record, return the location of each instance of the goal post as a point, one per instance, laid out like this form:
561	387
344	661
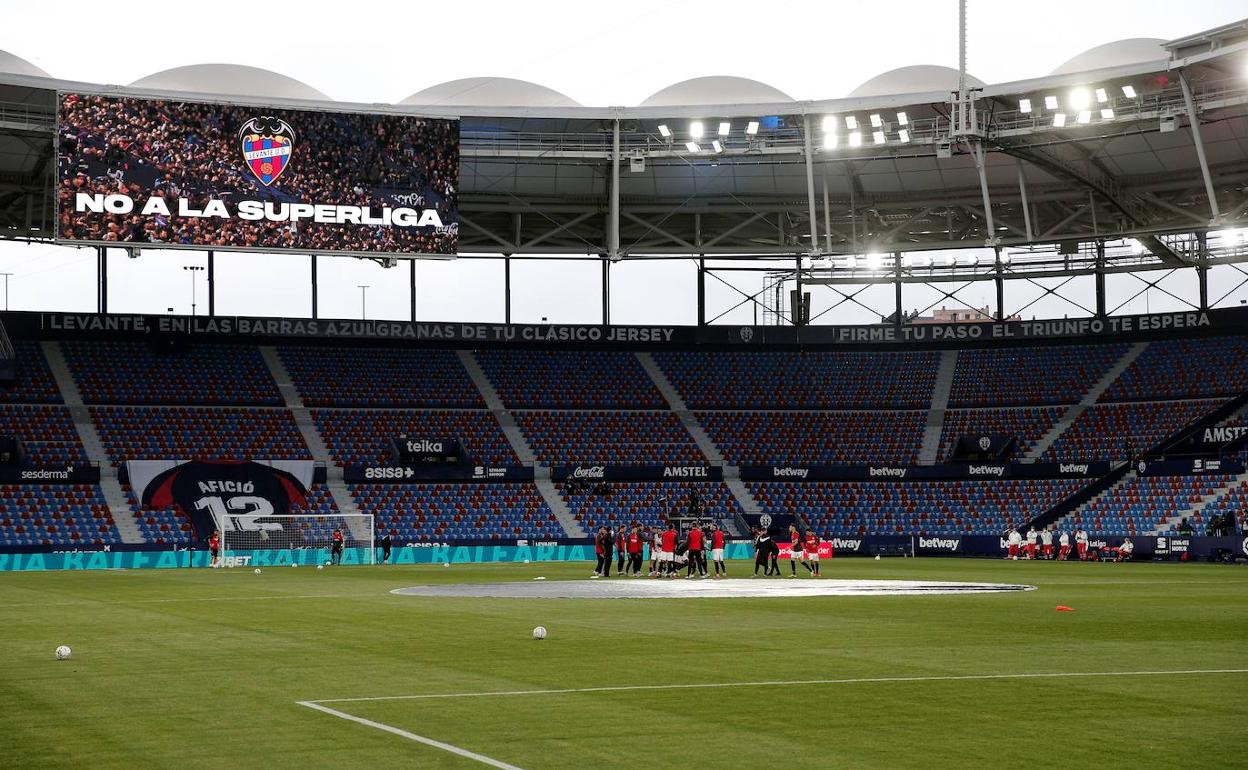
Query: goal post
250	539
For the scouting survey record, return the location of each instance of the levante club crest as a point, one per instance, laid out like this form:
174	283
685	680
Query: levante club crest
267	144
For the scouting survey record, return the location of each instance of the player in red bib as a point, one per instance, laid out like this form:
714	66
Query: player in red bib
696	554
667	557
717	551
634	544
335	547
214	549
811	542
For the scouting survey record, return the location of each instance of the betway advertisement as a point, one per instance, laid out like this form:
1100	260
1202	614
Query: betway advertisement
203	175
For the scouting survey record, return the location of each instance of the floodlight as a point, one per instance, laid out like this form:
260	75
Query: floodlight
664	131
1050	102
904	135
876	120
829	141
1024	106
692	147
724	128
951	260
716	146
855	139
874	261
1079	99
1005	258
903	119
851	122
829	124
751	128
851	262
695	129
1059	120
1101	96
1107	114
1085	116
878	136
1128	91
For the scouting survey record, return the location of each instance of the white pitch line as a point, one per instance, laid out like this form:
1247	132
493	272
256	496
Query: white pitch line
781	683
185	600
412	736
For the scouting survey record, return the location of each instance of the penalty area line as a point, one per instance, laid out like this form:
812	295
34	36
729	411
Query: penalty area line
411	736
781	683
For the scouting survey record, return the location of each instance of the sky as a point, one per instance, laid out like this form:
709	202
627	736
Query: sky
596	53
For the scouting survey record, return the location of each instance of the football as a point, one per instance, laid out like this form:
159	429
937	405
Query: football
539	633
320	566
257	570
63	652
293	564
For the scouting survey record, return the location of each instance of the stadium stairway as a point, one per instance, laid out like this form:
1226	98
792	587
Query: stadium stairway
118	506
520	444
732	476
312	437
1089	399
1066	522
929	453
1168	524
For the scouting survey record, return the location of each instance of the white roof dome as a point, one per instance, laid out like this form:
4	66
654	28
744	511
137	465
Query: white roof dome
1133	50
916	79
229	79
717	89
490	92
16	65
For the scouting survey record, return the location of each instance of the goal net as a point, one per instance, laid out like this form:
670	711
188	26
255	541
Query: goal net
300	538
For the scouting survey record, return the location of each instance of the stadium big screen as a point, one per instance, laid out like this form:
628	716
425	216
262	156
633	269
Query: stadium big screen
238	177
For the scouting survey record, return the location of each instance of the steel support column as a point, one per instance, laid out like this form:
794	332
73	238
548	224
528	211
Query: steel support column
1100	279
101	271
898	312
1022	191
613	221
507	289
810	190
1202	269
1194	122
606	292
212	283
412	286
977	149
999	280
702	291
827	218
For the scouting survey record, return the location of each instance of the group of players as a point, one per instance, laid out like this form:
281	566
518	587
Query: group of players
671	551
1038	544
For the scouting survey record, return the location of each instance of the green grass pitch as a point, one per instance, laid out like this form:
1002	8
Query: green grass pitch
205	669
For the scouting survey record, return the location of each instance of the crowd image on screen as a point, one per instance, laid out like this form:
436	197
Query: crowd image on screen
179	150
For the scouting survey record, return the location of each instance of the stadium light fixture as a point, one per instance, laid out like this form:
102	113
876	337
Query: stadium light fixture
829	141
664	131
851	263
874	261
716	146
876	120
1128	91
855	139
1005	257
692	147
903	119
1085	116
1079	99
1107	114
951	260
1059	120
878	136
724	128
696	129
829	124
851	122
904	136
1050	102
1024	106
1102	96
751	128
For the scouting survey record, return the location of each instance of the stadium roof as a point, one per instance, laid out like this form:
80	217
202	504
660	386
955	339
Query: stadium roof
16	65
1138	160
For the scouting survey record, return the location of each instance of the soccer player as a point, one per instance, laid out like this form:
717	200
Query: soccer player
1063	551
1046	543
1015	540
1124	551
1032	536
1081	543
694	552
214	549
621	548
335	546
634	545
811	543
796	553
386	542
717	551
667	559
656	547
